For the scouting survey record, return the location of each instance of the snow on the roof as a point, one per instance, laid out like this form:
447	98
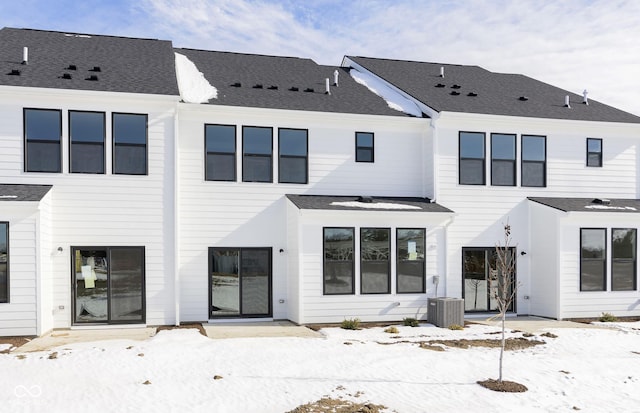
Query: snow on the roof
375	205
193	86
618	208
395	100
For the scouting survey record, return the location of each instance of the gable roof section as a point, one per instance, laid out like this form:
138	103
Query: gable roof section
17	192
590	204
237	76
126	65
375	204
497	93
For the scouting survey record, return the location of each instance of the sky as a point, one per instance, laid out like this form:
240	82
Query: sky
575	45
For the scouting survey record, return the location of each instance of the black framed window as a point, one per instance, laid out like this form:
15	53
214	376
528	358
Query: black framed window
257	154
220	152
534	161
293	154
594	152
410	267
593	259
338	247
364	147
87	136
375	270
503	159
623	256
129	143
471	147
4	262
42	140
481	278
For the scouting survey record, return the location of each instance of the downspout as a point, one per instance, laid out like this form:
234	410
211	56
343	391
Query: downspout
446	252
176	216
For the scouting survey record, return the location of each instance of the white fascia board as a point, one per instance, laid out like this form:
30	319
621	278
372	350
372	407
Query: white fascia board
92	94
432	113
187	109
454	119
342	214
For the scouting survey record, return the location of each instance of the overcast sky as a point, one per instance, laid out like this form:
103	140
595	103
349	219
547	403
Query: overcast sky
573	44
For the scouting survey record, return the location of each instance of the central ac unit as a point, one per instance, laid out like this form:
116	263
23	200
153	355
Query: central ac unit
445	311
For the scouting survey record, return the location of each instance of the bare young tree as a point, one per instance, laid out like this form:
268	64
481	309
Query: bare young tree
506	288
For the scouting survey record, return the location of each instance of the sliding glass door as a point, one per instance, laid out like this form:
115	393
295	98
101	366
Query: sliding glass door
481	279
239	282
108	285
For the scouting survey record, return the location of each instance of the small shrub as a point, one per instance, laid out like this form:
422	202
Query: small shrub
608	318
391	330
456	327
411	322
350	324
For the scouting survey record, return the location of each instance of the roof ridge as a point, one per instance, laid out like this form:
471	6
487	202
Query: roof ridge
245	54
69	33
416	61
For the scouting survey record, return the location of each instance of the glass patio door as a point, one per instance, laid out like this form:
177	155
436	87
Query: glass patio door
108	285
480	279
239	282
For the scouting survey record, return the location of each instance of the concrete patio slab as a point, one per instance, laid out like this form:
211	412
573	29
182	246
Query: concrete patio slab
58	338
258	329
532	325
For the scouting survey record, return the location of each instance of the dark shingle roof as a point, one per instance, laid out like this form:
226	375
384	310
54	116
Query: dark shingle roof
16	192
224	70
126	64
497	93
325	202
589	204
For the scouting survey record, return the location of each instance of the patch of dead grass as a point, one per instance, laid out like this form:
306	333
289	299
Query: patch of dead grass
330	405
197	326
15	342
504	386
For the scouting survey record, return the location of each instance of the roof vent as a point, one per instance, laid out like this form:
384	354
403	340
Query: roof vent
25	55
523	98
441	71
66	75
72	67
257	86
237	84
326	86
601	201
365	199
566	102
92	78
455	93
309	89
472	94
95	69
335	77
585	99
440	85
455	87
293	89
273	87
14	72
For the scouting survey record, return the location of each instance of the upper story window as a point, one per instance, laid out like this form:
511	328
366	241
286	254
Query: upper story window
471	158
129	144
4	262
623	255
364	147
87	136
293	152
42	137
338	261
594	152
534	161
257	154
220	152
503	159
410	267
375	271
593	259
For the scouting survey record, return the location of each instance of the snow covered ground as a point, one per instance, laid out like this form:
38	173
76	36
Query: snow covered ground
590	370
